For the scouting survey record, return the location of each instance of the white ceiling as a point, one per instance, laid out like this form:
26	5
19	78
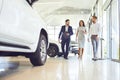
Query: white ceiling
54	12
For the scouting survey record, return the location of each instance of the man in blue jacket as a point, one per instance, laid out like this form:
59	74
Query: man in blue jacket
64	35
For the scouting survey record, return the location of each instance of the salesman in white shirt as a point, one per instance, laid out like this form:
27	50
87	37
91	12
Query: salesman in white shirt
94	33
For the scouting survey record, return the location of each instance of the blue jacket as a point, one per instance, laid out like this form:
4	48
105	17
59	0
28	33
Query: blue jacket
62	31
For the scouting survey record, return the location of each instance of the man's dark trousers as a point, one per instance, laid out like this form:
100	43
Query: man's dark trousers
65	39
65	47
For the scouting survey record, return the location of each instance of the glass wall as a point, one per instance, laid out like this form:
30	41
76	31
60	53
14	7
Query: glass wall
115	29
119	28
111	22
106	33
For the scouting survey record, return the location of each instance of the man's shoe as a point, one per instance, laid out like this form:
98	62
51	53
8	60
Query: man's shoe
60	54
66	58
94	59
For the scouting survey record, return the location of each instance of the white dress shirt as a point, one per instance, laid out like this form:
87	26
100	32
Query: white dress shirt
95	29
66	28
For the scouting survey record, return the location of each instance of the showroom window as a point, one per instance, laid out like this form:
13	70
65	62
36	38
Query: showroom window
111	22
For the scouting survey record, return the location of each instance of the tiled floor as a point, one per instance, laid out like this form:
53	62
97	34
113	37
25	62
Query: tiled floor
59	69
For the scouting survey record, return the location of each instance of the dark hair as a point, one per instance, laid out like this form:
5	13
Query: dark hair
82	22
95	17
67	20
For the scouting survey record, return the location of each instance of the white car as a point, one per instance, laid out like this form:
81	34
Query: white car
22	32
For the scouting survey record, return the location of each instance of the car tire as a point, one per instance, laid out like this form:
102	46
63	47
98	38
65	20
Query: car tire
39	57
53	50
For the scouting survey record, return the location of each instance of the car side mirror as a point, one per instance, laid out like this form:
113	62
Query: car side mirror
31	2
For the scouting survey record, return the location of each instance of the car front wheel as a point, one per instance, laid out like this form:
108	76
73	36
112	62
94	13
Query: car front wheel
39	57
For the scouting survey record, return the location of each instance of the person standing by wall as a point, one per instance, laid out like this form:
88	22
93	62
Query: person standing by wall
80	37
94	33
64	35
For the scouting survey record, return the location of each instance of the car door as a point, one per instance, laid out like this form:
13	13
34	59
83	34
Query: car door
19	24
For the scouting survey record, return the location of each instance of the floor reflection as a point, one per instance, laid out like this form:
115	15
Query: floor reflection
8	67
60	69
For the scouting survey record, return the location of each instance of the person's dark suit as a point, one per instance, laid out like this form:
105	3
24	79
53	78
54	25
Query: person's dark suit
65	39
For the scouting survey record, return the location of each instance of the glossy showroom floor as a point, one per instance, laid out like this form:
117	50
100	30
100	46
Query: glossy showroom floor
19	68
